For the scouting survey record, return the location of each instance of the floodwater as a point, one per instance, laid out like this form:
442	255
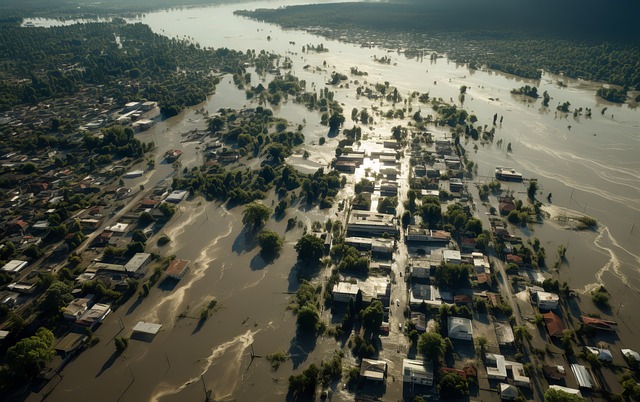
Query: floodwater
590	165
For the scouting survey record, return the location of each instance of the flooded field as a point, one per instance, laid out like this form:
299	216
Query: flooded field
590	165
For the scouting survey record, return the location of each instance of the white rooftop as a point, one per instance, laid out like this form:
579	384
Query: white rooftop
346	288
14	266
630	354
149	328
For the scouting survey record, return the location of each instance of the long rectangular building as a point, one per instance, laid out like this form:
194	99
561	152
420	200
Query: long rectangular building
371	224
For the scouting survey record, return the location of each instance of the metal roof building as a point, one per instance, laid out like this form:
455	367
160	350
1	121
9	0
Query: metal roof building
582	376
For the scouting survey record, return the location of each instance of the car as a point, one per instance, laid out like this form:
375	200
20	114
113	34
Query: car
397	302
400	326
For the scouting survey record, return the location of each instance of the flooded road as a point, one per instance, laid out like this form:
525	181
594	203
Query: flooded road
591	166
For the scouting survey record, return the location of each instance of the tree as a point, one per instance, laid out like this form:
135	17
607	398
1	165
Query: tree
121	343
474	225
372	316
55	297
556	395
521	333
304	384
310	248
452	386
30	355
270	242
532	189
432	346
308	318
255	215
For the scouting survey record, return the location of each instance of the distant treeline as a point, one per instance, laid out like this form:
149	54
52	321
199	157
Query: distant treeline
129	60
582	40
78	8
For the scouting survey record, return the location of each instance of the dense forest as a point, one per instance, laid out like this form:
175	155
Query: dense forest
578	39
128	60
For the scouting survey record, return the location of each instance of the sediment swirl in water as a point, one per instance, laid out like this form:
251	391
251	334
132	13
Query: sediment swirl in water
223	386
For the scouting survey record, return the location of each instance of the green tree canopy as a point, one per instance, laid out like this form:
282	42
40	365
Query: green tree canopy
255	215
452	386
30	355
556	395
372	316
310	248
431	345
270	242
308	318
55	297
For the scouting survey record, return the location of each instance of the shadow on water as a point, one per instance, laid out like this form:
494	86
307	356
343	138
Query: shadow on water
135	305
112	359
198	326
167	284
262	259
301	346
245	242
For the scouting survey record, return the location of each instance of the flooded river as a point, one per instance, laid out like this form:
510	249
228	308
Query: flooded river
591	166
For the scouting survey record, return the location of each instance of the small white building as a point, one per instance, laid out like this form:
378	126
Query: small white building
76	308
630	354
14	266
417	372
95	315
460	328
547	300
145	330
176	196
452	256
375	370
344	291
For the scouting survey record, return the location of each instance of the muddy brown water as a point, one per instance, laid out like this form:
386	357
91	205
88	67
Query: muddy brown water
591	167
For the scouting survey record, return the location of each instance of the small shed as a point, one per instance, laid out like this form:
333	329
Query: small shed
145	331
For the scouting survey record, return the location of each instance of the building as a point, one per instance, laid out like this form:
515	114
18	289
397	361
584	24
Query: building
630	355
419	321
547	300
422	268
602	354
504	333
419	234
177	269
508	392
176	196
597	323
569	391
371	224
145	330
455	185
76	308
498	368
460	328
417	372
14	266
137	263
582	376
452	256
94	316
382	246
375	370
344	291
428	294
554	324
